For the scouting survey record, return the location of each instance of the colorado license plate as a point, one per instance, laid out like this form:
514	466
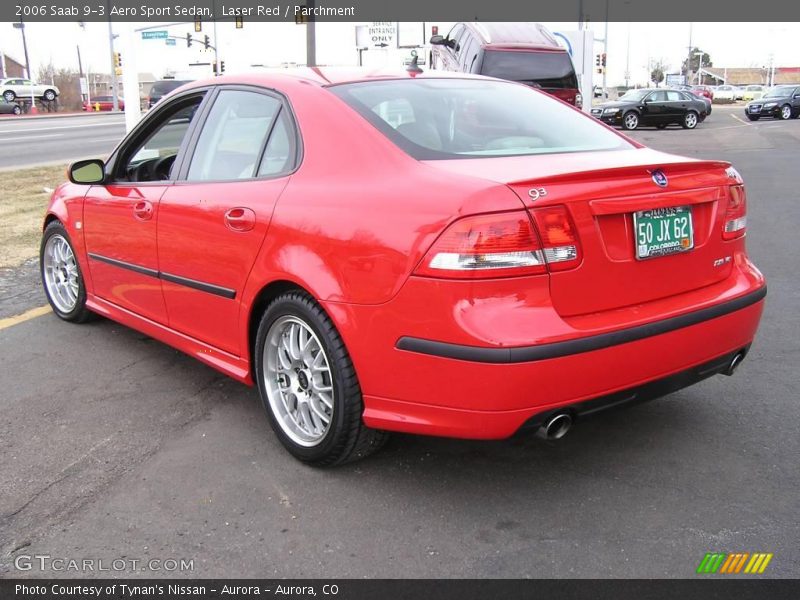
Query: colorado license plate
663	231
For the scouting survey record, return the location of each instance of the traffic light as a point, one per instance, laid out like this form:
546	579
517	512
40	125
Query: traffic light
188	40
222	66
604	59
198	25
300	17
597	60
206	42
117	59
239	22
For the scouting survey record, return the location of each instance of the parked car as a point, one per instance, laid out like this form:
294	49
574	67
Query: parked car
753	92
739	92
688	89
780	102
724	93
102	103
649	106
162	88
524	52
598	92
481	260
14	88
9	108
704	90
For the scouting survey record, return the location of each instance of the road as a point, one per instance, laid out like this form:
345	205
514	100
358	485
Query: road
115	445
48	140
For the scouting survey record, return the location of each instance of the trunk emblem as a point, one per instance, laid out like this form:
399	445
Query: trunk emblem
659	178
536	193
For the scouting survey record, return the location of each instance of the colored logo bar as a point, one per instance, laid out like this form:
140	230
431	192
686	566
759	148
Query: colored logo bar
735	562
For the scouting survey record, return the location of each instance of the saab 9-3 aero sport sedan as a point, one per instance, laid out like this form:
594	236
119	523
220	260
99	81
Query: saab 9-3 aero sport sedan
437	254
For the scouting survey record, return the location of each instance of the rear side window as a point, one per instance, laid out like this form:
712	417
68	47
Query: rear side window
468	118
550	70
233	136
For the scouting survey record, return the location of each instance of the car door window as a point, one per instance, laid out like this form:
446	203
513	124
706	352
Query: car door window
455	36
657	97
152	158
281	152
233	136
673	96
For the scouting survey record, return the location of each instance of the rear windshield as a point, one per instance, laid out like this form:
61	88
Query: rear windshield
462	118
551	70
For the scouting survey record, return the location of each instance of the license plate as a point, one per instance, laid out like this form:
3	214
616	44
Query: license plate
663	231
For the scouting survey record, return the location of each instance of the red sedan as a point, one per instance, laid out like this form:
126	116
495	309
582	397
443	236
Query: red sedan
444	255
102	103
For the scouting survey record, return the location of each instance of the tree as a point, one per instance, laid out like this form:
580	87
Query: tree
699	59
657	72
67	82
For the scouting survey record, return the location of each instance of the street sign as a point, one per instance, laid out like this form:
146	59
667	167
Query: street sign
171	41
154	35
382	33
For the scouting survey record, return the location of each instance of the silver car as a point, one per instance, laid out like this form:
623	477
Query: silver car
14	88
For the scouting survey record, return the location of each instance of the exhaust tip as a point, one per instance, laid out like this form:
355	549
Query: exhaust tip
735	362
556	427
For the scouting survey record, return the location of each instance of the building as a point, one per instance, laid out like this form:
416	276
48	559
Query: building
749	75
10	67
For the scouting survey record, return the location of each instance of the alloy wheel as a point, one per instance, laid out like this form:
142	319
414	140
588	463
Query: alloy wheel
786	112
298	380
631	121
61	274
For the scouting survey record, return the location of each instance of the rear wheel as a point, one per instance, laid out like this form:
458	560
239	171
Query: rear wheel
630	120
49	95
17	110
690	120
9	95
61	275
786	112
308	385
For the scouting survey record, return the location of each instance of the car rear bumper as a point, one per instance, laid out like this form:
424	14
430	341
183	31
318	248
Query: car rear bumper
420	384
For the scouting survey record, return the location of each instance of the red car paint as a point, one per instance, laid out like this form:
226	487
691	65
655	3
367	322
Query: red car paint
353	226
102	104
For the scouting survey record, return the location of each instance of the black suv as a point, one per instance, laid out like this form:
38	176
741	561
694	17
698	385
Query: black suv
162	88
781	102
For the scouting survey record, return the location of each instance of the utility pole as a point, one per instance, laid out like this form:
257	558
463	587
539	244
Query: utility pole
311	37
689	59
114	82
216	40
628	58
605	53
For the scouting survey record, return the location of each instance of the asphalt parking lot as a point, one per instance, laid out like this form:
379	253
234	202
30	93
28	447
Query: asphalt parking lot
116	446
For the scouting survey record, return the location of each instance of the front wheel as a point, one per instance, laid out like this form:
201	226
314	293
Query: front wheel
61	275
308	384
630	121
786	112
690	120
49	95
17	110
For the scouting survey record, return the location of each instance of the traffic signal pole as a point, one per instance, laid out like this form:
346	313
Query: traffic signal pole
114	81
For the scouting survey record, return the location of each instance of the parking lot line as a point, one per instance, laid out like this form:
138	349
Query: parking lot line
26	316
741	120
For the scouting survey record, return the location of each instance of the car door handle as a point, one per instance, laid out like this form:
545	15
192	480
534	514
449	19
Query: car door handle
143	210
240	219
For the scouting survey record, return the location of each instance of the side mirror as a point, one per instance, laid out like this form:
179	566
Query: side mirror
438	40
87	172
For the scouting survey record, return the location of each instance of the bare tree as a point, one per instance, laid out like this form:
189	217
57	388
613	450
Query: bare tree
68	83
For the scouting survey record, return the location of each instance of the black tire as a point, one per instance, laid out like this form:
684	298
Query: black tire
753	117
785	113
630	120
690	120
79	314
9	95
17	110
347	438
49	95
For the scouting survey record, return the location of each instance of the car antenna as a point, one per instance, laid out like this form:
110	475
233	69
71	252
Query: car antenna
413	67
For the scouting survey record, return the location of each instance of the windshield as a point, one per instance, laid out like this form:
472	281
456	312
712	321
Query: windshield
777	92
545	69
462	118
634	95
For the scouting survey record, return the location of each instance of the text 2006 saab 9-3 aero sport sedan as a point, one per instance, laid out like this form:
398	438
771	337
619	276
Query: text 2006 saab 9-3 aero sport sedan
436	254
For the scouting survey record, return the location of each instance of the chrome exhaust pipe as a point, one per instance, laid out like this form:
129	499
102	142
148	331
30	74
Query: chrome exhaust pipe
735	362
556	427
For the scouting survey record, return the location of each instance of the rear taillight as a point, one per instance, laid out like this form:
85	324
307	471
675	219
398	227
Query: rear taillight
504	245
560	243
498	245
735	214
